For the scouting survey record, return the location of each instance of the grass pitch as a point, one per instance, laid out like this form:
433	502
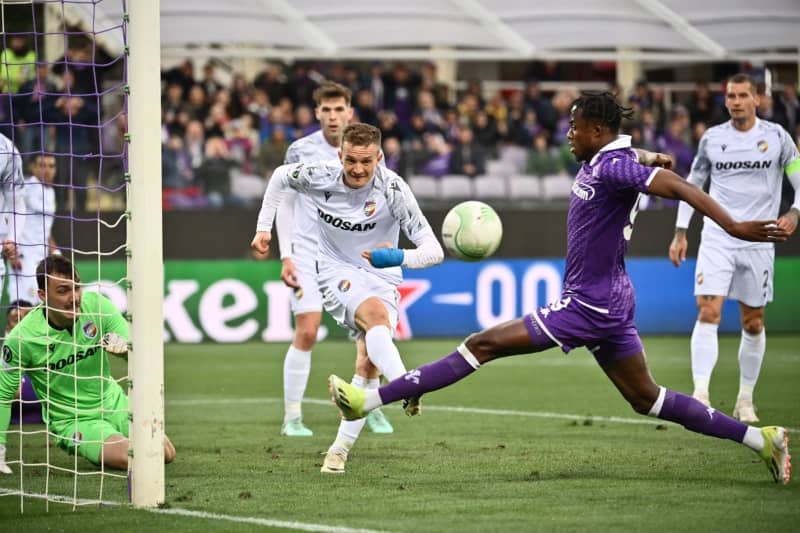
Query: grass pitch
532	443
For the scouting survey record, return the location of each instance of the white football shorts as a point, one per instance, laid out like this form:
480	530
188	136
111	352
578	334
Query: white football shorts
744	275
345	287
306	299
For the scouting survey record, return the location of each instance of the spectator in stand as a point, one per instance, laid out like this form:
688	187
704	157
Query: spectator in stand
241	95
387	123
467	157
376	85
393	156
176	164
17	64
241	140
698	129
438	150
304	122
301	87
641	98
468	107
561	103
542	106
787	108
33	109
426	106
543	160
401	88
530	124
217	121
673	141
271	152
214	175
194	141
649	130
485	132
172	105
183	75
209	83
197	106
77	117
364	107
272	82
703	107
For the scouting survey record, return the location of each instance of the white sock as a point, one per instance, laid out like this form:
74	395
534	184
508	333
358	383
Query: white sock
753	439
296	368
383	353
372	400
751	355
349	430
705	351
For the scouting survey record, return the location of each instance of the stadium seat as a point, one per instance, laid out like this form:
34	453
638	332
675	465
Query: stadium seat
455	186
557	187
524	187
516	156
490	186
495	167
424	187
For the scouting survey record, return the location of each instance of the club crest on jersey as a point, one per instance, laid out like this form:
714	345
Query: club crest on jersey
369	207
77	437
700	278
7	355
344	285
762	146
583	191
90	330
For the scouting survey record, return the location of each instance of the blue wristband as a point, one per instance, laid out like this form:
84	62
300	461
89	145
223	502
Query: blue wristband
387	257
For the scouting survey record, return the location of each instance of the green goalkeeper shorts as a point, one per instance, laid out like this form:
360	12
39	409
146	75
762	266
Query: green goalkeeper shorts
86	436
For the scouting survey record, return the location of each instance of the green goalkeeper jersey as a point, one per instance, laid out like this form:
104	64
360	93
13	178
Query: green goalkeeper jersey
68	369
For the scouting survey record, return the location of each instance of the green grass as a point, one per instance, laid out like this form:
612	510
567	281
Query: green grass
447	470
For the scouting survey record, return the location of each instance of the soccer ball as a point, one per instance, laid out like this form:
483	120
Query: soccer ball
472	231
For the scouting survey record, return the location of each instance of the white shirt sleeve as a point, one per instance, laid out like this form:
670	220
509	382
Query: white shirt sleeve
404	207
284	223
279	183
699	173
14	196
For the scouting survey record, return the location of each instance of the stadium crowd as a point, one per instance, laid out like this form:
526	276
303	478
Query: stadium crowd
215	135
221	142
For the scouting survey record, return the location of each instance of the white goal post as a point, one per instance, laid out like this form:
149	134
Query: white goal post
145	258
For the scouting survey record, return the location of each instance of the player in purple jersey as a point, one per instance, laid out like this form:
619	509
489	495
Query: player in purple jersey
596	308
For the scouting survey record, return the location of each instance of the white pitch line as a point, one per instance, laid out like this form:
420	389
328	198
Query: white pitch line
300	526
448	409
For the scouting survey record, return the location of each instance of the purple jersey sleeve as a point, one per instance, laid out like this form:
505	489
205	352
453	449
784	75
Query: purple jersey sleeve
621	170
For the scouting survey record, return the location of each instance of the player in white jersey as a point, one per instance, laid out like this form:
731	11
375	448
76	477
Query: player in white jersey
12	200
35	242
360	209
745	159
296	224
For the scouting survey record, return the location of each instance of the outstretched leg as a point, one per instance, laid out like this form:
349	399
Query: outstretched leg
510	338
632	378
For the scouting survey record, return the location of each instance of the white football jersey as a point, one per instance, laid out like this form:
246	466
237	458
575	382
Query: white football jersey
307	149
746	171
38	218
350	220
11	183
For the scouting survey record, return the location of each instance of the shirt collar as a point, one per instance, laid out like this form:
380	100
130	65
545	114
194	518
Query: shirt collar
622	141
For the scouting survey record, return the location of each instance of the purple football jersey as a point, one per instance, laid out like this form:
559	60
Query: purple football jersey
602	208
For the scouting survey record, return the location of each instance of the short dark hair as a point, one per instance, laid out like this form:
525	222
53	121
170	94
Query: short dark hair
360	134
55	264
744	78
603	108
18	304
330	89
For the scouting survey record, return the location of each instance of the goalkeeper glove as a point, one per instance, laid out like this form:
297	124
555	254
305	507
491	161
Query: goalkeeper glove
386	257
114	343
4	469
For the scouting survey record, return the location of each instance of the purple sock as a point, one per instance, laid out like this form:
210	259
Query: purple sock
695	416
427	378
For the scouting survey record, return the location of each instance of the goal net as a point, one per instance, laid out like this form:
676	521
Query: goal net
83	124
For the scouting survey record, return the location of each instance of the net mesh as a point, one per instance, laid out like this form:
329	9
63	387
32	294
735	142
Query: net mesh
63	102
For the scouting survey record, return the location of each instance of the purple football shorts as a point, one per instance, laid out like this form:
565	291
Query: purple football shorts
569	324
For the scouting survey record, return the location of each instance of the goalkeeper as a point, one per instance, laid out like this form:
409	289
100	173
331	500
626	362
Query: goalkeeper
62	346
